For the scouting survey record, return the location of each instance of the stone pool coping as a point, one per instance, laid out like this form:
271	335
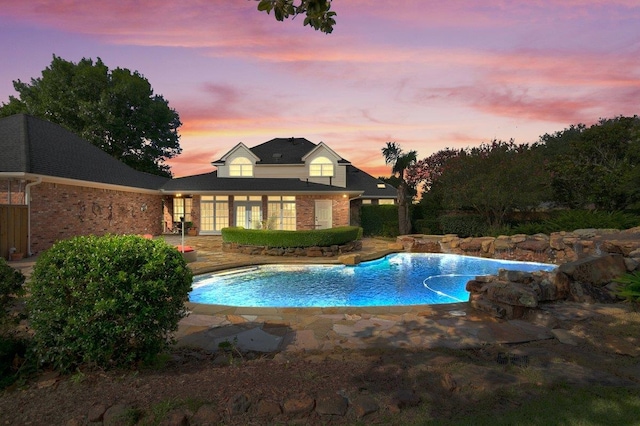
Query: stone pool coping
454	325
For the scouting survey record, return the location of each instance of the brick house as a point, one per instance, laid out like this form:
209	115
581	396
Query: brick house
55	185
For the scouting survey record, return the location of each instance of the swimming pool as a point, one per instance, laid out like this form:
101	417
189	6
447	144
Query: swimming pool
397	279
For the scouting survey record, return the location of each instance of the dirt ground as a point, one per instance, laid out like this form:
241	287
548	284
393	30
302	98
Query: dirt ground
240	389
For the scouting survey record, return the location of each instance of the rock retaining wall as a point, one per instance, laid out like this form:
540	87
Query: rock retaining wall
558	248
589	259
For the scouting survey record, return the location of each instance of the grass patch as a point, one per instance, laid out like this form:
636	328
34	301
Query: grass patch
583	406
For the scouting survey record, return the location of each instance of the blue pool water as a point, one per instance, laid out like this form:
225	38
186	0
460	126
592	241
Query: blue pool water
397	279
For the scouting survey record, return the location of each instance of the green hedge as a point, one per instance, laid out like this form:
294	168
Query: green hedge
379	220
285	239
107	301
463	225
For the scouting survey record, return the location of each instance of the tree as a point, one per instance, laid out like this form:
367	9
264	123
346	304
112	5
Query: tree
428	170
400	161
318	12
116	111
493	179
598	165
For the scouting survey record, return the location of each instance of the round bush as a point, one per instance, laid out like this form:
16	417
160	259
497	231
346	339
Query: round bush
108	301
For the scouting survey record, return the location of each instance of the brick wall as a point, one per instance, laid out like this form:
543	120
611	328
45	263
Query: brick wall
305	210
63	211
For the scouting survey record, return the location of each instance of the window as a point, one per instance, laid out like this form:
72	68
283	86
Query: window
282	212
241	167
366	201
386	201
321	166
214	212
182	208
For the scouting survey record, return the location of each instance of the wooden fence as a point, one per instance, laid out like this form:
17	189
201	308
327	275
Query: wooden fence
13	229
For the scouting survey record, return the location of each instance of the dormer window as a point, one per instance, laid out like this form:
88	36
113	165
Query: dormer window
321	166
241	167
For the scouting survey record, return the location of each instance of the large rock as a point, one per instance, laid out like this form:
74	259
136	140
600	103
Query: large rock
597	271
514	294
550	287
535	245
471	244
331	403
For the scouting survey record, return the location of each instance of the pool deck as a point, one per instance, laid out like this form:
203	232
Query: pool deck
325	329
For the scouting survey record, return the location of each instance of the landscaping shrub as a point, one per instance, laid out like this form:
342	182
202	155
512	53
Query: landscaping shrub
108	301
11	281
630	289
463	225
379	220
530	228
570	220
284	239
427	226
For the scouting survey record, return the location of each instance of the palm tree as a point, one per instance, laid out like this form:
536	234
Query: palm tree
401	161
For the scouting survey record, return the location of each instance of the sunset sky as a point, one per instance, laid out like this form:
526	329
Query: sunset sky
425	74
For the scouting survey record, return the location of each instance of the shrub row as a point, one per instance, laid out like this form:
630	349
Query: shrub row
380	220
285	239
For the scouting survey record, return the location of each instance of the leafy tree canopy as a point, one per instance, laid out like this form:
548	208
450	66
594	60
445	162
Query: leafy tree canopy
318	13
116	110
493	179
598	165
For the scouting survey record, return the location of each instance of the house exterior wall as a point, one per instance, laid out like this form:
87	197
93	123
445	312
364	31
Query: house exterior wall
305	211
279	171
291	171
63	211
339	170
238	151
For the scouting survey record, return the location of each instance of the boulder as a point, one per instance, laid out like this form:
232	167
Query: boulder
514	294
596	271
536	245
332	404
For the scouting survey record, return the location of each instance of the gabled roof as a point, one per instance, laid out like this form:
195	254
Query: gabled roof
239	147
34	146
356	178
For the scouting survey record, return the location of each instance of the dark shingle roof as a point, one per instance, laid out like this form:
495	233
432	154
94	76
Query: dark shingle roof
211	182
357	179
32	145
283	150
35	146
